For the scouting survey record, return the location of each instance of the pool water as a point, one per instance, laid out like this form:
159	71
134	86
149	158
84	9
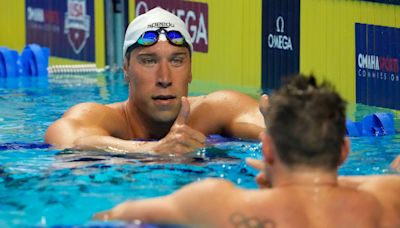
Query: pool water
44	187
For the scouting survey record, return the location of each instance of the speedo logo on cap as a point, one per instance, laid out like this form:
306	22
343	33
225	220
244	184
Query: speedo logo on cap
160	25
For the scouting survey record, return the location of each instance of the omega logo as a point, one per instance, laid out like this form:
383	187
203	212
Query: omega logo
281	41
280	24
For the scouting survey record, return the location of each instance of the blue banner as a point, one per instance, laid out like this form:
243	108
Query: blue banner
65	26
394	2
377	65
280	41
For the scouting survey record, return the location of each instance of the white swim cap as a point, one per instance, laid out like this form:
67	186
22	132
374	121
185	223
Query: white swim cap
152	21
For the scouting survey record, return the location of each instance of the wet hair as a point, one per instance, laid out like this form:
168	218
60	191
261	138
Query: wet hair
306	122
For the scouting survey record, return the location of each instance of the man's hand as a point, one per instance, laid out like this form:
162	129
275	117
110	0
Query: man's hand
263	104
181	138
396	164
117	213
263	178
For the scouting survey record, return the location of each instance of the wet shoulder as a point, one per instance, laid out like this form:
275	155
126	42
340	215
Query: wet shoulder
92	109
196	100
226	96
385	190
109	117
226	100
214	186
229	101
85	107
314	208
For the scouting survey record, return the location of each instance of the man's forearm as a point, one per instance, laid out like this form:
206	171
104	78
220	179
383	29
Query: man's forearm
155	210
112	144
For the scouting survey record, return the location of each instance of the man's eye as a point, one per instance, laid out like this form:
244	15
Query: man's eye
148	61
177	61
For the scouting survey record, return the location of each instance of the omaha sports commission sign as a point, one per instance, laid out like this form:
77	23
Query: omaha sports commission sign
377	65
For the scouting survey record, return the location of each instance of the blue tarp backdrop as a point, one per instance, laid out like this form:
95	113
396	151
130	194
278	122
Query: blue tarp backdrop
395	2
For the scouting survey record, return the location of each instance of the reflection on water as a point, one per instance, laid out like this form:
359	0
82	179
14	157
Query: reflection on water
76	159
67	187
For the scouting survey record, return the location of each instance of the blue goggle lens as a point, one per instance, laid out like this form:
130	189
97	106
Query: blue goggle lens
148	38
175	37
151	37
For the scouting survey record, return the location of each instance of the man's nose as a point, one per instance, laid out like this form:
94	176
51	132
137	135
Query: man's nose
164	75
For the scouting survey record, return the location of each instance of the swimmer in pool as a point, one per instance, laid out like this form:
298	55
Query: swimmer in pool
303	146
157	67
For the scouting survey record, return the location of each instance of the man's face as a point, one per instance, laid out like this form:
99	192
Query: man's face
158	77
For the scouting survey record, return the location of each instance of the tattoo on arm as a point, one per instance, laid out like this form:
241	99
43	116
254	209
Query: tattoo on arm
239	220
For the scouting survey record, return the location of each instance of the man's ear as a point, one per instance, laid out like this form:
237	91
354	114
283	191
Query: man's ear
126	65
267	147
345	150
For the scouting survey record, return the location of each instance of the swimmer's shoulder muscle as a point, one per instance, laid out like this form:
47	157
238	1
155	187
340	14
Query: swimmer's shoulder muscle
226	112
84	119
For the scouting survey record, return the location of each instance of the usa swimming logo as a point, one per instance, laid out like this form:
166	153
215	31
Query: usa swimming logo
77	24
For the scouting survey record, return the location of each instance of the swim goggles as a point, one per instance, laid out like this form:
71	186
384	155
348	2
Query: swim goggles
149	38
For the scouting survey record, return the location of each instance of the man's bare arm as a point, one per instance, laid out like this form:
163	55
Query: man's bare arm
155	210
396	164
96	127
81	121
90	126
238	114
190	205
